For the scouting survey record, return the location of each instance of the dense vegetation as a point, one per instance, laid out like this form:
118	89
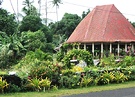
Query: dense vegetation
28	50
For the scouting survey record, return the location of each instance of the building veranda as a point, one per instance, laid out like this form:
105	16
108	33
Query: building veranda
105	31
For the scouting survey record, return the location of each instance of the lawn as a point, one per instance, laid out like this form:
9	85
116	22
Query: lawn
61	92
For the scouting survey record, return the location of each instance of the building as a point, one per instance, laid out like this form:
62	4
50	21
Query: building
104	30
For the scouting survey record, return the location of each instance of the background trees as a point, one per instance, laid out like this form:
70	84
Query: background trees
30	22
7	22
62	29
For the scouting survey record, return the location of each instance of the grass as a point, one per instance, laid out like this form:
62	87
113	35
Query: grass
63	92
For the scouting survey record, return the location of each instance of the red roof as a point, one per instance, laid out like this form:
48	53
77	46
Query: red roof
103	24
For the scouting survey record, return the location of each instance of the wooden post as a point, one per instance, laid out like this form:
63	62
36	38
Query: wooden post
93	49
85	47
132	47
118	49
78	46
102	50
125	47
110	48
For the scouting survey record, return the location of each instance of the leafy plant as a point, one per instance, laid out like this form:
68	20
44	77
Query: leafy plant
69	81
85	81
79	55
34	84
45	84
106	78
120	77
3	84
108	61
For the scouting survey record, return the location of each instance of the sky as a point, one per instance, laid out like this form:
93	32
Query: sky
126	7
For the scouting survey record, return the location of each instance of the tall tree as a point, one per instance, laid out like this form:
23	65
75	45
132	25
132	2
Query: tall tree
56	4
7	22
31	22
29	9
66	26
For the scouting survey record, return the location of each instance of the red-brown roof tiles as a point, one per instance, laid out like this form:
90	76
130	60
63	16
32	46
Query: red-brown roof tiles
103	24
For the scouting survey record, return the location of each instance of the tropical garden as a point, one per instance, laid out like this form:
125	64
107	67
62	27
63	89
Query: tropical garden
35	58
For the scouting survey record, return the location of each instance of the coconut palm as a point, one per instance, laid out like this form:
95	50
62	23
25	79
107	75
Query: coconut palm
29	9
56	3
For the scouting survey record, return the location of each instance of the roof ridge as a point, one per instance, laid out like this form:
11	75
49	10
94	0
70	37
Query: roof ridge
107	20
89	23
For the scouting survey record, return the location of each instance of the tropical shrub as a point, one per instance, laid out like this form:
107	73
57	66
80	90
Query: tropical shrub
3	84
78	55
106	78
33	40
12	88
77	69
32	60
119	77
132	73
69	81
127	61
42	71
68	72
38	84
108	61
85	81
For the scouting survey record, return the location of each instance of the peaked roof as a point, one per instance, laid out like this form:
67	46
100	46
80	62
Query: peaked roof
103	24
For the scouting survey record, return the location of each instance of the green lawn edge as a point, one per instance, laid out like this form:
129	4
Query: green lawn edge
64	92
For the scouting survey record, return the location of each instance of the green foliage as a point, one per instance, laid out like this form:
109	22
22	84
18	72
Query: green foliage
33	40
68	72
105	78
63	50
13	88
85	13
66	26
11	49
3	84
132	73
33	60
127	61
29	9
108	61
42	71
48	34
7	22
79	55
37	84
55	88
85	81
120	77
30	22
69	81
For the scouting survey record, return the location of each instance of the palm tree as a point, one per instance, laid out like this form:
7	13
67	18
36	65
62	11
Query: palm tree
28	8
56	3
